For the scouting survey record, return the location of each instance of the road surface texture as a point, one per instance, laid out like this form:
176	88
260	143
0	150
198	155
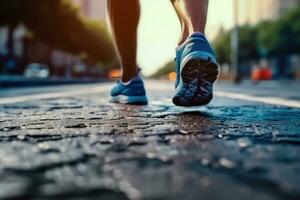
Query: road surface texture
68	142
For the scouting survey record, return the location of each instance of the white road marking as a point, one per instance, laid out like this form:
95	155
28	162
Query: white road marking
106	87
266	100
19	99
245	97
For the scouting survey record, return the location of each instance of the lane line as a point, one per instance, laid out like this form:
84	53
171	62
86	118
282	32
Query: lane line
106	87
266	100
245	97
19	99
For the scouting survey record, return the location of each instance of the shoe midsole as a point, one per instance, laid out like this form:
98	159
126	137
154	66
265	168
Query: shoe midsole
129	99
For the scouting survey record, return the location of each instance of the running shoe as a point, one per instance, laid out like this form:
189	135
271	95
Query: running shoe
133	92
197	70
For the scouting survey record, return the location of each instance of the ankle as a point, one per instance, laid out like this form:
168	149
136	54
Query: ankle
182	40
185	39
184	36
193	30
128	76
197	33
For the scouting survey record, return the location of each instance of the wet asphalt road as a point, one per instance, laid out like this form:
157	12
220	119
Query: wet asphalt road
77	146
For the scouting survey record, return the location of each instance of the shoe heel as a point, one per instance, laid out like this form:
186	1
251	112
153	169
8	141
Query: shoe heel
198	76
198	68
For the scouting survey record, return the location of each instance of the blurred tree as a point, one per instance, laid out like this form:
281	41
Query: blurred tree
268	38
248	43
57	23
294	27
281	37
222	46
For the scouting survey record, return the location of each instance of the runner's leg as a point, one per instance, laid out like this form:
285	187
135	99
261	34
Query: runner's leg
124	17
192	14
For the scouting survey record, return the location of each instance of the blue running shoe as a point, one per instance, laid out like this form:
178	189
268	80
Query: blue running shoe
132	92
197	70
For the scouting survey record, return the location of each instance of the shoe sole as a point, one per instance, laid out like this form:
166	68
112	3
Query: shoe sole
130	100
196	85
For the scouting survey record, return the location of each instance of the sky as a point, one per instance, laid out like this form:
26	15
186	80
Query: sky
159	30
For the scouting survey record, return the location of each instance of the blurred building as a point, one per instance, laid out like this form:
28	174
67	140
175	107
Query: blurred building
259	10
95	9
255	11
25	50
11	48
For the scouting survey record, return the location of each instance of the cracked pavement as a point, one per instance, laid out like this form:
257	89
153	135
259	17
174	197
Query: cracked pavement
82	147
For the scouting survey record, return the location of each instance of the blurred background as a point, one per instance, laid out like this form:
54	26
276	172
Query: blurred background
68	41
